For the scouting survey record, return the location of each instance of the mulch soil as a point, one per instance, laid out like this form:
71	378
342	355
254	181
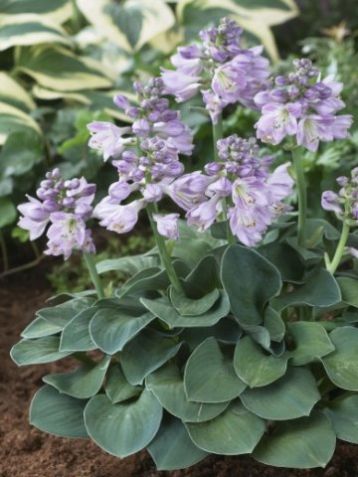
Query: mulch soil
27	452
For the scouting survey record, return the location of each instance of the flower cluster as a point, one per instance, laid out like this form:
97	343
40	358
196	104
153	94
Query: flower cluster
151	117
301	105
345	202
66	206
219	67
239	180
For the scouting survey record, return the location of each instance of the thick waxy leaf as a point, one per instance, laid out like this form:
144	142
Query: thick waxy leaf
130	25
274	324
320	290
250	282
349	290
307	443
342	364
123	429
164	310
112	328
13	119
146	353
28	29
8	212
40	328
343	414
226	331
57	413
21	152
14	94
286	260
117	387
188	307
76	335
172	447
236	431
311	341
147	279
82	383
209	376
62	314
255	367
129	265
59	69
39	351
168	387
292	396
203	278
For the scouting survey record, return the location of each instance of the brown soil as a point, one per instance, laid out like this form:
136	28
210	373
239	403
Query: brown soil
27	452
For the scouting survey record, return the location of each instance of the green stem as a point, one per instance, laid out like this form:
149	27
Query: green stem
5	258
332	267
22	268
217	134
163	252
302	194
88	258
229	235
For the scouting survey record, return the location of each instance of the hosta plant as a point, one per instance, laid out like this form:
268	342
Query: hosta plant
237	334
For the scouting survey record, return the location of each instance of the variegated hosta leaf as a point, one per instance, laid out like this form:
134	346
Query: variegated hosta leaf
131	24
13	119
23	30
57	10
255	16
61	70
12	93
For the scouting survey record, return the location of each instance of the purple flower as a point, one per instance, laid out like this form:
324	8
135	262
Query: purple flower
331	201
204	215
301	105
247	225
34	218
108	138
180	84
167	225
118	218
344	203
189	189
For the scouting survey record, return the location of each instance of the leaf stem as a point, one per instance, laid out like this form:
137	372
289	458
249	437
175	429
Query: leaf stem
332	267
163	252
88	258
302	194
5	257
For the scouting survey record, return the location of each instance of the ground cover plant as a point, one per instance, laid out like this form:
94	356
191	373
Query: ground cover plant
236	334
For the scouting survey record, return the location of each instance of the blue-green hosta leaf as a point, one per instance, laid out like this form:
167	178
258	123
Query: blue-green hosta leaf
292	396
209	376
167	385
256	367
29	29
61	70
117	387
190	307
286	260
146	353
57	413
303	444
148	279
8	212
14	119
349	290
112	328
62	314
129	25
172	447
343	414
129	265
203	278
319	290
14	94
226	331
274	324
82	383
342	364
311	342
164	310
236	431
123	429
76	335
40	328
250	282
39	351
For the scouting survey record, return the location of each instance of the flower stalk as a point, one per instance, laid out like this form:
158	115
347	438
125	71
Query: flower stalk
302	195
163	252
91	266
333	265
